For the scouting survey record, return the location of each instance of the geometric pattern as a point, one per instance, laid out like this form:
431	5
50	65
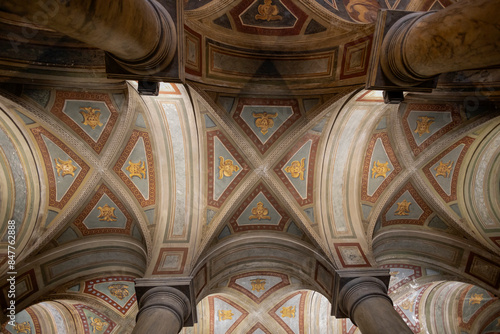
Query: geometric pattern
355	58
302	190
170	261
447	186
286	111
351	255
258	329
379	151
417	213
27	315
59	199
85	312
472	307
483	269
193	52
402	274
273	282
67	108
89	223
348	327
275	219
221	324
442	119
26	285
294	324
408	308
291	21
139	150
100	289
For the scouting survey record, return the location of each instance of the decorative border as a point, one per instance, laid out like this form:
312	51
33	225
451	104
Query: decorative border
136	134
273	314
454	178
174	91
295	30
468	325
37	132
86	328
89	289
347	74
427	211
260	188
164	250
344	327
81	217
57	109
366	167
32	288
260	326
310	169
344	265
194	69
242	102
470	260
284	282
415	328
244	313
239	159
435	107
417	272
34	318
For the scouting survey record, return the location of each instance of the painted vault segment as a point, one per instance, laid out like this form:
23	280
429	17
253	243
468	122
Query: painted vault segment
296	169
225	315
401	274
94	321
91	116
135	167
258	329
25	320
265	120
407	207
226	168
65	169
116	291
408	308
289	313
259	285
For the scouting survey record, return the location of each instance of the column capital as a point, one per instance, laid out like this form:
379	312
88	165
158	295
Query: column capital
175	293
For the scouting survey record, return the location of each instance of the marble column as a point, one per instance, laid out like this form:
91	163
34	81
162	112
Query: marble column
162	310
419	46
139	34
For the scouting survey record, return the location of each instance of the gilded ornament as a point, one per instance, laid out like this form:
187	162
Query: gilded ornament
407	304
65	167
423	124
225	315
91	117
120	291
476	298
259	212
226	168
264	121
97	324
380	169
288	312
444	169
297	169
107	213
268	12
23	327
136	169
403	208
258	284
394	273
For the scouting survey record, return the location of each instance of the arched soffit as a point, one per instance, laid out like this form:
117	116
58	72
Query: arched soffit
342	148
262	253
175	223
21	187
272	168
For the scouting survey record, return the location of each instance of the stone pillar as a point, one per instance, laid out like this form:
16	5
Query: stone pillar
463	36
140	34
165	305
361	295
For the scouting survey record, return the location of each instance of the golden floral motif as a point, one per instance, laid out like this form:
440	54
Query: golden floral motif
407	304
91	117
264	121
226	168
296	169
394	273
225	315
107	213
268	12
380	169
288	312
258	284
403	208
120	291
423	124
65	167
97	324
444	169
476	298
23	327
259	212
136	169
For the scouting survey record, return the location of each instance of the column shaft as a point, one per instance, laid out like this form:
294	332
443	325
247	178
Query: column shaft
159	320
